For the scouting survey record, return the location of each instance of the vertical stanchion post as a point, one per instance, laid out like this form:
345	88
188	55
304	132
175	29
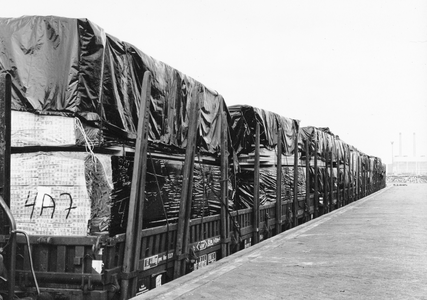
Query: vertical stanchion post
325	185
279	182
338	176
137	195
255	233
344	189
364	176
316	174
183	226
307	179
5	119
295	200
350	175
362	171
353	173
331	182
224	185
358	177
5	146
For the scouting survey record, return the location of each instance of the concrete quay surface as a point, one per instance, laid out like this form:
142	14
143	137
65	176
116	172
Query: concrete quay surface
374	248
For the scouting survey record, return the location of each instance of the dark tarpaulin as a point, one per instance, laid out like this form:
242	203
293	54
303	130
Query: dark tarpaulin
243	127
327	142
244	196
163	191
243	123
72	67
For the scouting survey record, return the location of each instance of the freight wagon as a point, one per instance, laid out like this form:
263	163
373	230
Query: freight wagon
120	173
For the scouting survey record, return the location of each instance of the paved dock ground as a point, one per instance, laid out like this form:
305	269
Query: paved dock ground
374	248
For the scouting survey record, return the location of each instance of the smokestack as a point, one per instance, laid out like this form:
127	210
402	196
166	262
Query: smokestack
400	144
415	151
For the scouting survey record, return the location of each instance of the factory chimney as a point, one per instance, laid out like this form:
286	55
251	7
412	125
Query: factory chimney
400	144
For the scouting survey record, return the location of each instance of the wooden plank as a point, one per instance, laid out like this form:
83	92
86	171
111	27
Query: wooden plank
109	257
137	195
60	240
163	238
158	230
149	249
60	277
279	182
156	247
61	258
207	219
255	237
225	222
185	202
27	257
145	247
79	259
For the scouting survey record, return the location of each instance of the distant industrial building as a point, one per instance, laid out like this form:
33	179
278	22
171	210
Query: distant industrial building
407	165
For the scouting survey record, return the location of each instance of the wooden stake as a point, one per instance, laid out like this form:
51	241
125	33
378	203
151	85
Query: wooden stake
331	183
279	182
5	119
224	185
295	200
5	151
255	233
137	196
326	185
345	195
316	185
307	178
351	176
358	177
183	227
338	174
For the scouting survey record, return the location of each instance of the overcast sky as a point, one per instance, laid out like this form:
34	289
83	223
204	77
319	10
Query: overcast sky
357	67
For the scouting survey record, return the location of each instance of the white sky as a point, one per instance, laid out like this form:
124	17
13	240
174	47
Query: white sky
357	67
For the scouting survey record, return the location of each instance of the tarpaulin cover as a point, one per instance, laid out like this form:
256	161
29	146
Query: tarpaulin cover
327	142
72	67
243	125
163	191
244	197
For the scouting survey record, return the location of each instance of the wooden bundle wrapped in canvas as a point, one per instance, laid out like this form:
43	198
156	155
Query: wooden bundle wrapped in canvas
29	129
61	193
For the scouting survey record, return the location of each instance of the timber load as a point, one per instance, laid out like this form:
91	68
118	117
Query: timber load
119	173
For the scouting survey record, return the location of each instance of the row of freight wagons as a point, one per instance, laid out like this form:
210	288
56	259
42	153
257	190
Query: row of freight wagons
215	179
